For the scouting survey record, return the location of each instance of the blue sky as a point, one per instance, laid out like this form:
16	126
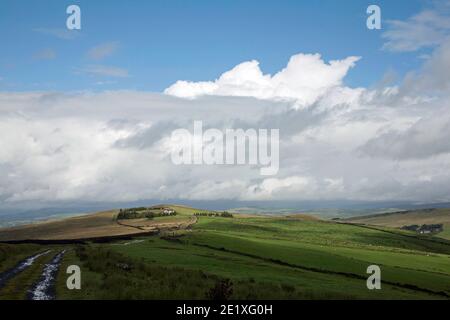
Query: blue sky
159	42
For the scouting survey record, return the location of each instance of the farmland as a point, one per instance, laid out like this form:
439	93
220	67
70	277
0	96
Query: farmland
270	257
403	218
97	225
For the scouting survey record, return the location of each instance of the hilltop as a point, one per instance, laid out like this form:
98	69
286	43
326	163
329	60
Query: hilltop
104	224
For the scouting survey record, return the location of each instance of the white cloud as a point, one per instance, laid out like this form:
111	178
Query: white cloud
425	138
433	77
105	71
60	33
428	28
45	54
357	144
103	50
305	79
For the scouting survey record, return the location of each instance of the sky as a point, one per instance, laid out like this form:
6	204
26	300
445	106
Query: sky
87	115
152	44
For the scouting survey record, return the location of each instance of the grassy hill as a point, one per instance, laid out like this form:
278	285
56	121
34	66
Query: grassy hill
404	218
97	225
289	257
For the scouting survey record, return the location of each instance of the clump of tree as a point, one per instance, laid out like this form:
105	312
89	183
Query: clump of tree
413	227
143	212
226	214
139	208
223	214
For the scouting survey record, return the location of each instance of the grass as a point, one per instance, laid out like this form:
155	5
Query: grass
101	224
397	268
446	233
104	278
11	254
318	257
264	257
87	226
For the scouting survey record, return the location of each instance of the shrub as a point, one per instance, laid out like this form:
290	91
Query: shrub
222	290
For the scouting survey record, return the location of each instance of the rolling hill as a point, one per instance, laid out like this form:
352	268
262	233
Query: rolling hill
260	257
92	226
410	217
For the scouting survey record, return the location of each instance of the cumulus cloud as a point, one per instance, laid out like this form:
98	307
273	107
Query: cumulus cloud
305	78
433	77
356	144
425	138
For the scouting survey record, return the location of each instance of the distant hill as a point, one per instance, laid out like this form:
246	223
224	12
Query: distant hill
408	217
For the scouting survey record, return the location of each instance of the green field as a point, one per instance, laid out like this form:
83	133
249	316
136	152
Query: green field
310	259
409	217
446	233
264	258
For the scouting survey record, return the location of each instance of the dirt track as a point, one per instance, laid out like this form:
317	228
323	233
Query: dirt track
21	266
44	289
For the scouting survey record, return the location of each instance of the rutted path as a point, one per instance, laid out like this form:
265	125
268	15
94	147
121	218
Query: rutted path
44	289
21	266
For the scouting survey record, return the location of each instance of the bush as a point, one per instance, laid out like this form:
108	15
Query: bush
142	212
223	214
221	291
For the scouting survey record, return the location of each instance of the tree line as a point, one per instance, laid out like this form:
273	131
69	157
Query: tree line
142	212
223	214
